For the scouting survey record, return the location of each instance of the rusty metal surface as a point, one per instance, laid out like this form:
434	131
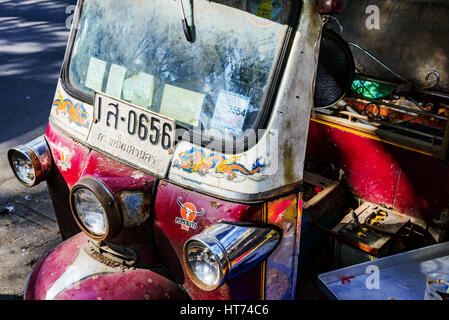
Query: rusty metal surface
331	196
282	263
137	206
378	225
409	182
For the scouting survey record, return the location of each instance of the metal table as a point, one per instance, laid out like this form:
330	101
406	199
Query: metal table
402	276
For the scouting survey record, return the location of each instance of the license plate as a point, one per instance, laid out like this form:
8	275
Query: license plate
139	137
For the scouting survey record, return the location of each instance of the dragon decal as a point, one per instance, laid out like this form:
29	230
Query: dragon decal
197	161
75	112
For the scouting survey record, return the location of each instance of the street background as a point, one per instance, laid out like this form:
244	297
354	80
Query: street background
33	37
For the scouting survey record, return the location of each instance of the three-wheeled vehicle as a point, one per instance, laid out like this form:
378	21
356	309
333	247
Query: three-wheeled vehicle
176	147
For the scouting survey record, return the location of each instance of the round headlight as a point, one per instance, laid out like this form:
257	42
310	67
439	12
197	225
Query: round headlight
22	166
206	263
224	250
31	162
203	263
95	210
90	211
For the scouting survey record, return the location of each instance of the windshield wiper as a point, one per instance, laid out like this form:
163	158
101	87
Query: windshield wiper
185	25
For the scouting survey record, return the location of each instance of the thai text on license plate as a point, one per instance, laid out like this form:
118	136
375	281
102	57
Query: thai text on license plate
139	137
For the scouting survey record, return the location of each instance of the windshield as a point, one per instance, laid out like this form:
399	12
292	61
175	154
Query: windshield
137	51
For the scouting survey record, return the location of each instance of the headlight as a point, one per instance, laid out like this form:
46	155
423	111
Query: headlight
95	209
30	162
203	263
22	166
225	250
90	211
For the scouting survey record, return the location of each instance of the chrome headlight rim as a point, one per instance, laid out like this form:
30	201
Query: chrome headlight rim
220	256
36	152
247	244
108	203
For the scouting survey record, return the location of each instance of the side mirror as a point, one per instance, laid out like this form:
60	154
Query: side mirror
335	70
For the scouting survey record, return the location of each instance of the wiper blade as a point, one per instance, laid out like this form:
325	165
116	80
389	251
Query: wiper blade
185	25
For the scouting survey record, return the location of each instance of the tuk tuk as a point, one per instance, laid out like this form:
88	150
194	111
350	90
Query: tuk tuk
192	147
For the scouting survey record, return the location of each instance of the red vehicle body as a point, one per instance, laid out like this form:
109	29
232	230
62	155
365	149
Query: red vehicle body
146	259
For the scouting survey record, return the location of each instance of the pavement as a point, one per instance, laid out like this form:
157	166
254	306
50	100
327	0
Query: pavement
33	37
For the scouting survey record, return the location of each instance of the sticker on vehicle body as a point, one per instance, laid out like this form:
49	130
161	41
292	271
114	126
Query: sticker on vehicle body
73	112
188	215
71	115
66	156
197	161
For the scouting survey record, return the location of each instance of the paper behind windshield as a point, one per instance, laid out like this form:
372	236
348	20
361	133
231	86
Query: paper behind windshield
230	112
95	74
235	51
139	89
182	105
115	81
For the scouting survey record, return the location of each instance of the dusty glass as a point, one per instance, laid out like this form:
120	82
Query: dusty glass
137	51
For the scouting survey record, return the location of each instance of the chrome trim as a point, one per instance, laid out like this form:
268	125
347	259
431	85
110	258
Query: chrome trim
107	200
38	153
237	246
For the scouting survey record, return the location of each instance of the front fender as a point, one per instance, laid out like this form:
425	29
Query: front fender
69	272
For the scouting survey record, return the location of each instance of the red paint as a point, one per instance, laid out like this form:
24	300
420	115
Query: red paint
345	280
280	266
57	141
423	188
51	266
119	177
114	174
410	182
277	209
130	285
170	238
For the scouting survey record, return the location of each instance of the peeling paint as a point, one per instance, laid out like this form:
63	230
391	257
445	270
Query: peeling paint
135	207
137	174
